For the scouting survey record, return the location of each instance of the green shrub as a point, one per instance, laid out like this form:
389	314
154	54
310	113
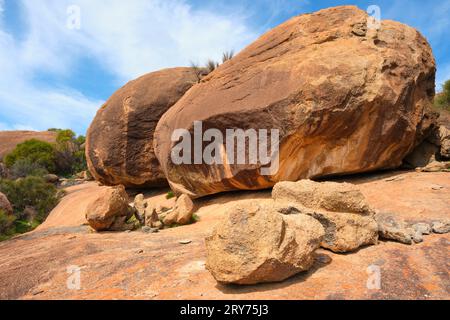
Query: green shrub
33	151
6	224
25	167
33	192
69	156
170	195
66	157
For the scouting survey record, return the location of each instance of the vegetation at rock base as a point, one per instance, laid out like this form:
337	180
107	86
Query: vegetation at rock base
70	157
31	196
170	195
32	199
33	151
65	157
442	100
6	224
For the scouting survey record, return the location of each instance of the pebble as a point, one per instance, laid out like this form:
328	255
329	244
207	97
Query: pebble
185	241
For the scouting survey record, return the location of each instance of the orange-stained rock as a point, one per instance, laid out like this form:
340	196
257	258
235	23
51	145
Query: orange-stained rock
119	146
253	243
346	99
110	210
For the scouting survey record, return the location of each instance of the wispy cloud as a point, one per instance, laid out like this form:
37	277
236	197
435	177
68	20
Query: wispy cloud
127	38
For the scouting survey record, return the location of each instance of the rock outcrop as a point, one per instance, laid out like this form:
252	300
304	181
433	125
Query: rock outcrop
255	244
340	207
119	146
110	210
10	139
5	205
345	98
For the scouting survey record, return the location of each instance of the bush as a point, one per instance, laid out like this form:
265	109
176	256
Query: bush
33	157
24	167
33	151
170	195
69	156
33	192
6	224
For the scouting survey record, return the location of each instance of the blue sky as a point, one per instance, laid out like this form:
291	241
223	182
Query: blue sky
55	76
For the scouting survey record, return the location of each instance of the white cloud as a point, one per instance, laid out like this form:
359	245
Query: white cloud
127	38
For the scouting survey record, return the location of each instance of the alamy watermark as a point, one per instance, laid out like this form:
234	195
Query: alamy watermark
374	19
235	147
74	278
73	17
374	280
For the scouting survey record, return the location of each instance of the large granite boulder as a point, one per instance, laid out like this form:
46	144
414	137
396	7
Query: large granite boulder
255	244
345	98
119	146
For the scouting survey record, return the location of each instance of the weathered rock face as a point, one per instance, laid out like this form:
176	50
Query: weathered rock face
110	210
255	244
346	99
119	145
340	207
5	205
445	142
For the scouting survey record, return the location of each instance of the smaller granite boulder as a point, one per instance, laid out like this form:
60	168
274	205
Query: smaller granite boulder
110	210
182	212
341	208
330	196
256	244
